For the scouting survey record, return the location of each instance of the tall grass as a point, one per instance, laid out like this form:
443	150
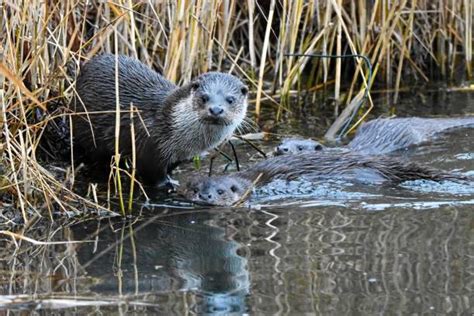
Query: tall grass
41	40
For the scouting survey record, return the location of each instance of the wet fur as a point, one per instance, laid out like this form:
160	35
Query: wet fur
172	116
385	135
318	165
322	165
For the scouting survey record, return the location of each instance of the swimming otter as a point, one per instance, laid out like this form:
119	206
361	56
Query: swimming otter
228	189
296	145
386	135
179	122
383	135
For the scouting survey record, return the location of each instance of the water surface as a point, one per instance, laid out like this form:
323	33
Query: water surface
329	248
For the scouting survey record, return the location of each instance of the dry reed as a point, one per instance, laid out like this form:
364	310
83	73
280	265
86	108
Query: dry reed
183	38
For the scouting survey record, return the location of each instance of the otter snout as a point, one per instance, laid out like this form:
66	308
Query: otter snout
216	110
205	197
216	105
281	150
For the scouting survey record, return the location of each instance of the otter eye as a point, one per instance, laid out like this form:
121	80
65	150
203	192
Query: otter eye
195	85
300	148
230	100
244	90
205	98
220	191
234	188
318	147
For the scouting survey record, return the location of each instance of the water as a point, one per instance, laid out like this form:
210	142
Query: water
329	248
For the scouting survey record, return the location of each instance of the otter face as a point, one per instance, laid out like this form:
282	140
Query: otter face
220	99
294	146
222	190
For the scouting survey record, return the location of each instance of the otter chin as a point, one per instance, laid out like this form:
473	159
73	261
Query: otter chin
173	123
217	121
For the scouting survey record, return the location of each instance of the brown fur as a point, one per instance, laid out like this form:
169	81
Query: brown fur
178	121
384	135
314	166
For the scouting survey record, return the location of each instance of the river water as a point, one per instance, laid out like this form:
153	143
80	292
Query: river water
328	248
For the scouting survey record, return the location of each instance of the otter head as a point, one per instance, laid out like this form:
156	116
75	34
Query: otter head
221	190
295	145
219	99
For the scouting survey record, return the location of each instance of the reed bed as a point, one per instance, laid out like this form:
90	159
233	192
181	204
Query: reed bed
43	43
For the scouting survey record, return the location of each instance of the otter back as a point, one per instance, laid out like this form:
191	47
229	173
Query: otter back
96	92
386	135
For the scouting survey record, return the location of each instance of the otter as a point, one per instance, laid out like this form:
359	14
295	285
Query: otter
224	190
296	145
173	124
383	135
229	189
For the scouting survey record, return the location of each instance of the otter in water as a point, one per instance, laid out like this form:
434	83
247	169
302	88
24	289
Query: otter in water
383	135
312	166
179	122
296	145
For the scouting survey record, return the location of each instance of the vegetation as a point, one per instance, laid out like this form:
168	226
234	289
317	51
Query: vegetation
43	43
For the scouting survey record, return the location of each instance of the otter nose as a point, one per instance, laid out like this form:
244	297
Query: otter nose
216	110
205	197
281	149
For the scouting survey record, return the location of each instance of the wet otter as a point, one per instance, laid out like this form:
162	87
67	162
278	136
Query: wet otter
223	190
179	122
384	135
312	166
296	145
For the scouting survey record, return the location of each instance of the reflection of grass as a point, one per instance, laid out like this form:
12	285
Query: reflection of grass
403	39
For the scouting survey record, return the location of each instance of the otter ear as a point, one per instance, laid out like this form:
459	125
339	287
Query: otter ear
195	85
244	90
234	188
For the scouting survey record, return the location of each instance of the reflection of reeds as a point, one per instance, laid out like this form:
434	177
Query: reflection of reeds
403	39
314	260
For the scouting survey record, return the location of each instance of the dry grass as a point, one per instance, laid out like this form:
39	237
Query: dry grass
40	39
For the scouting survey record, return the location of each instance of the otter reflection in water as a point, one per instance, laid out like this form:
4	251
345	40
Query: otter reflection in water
384	135
312	166
182	252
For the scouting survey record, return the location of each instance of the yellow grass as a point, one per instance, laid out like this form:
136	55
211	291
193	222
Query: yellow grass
43	43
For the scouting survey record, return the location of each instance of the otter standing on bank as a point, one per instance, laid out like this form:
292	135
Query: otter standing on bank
312	166
180	122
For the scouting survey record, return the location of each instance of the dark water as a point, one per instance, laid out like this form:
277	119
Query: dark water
329	248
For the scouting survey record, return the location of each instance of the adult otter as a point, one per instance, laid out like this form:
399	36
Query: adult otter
228	189
179	122
384	135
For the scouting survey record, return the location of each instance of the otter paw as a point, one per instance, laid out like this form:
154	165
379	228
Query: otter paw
168	185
